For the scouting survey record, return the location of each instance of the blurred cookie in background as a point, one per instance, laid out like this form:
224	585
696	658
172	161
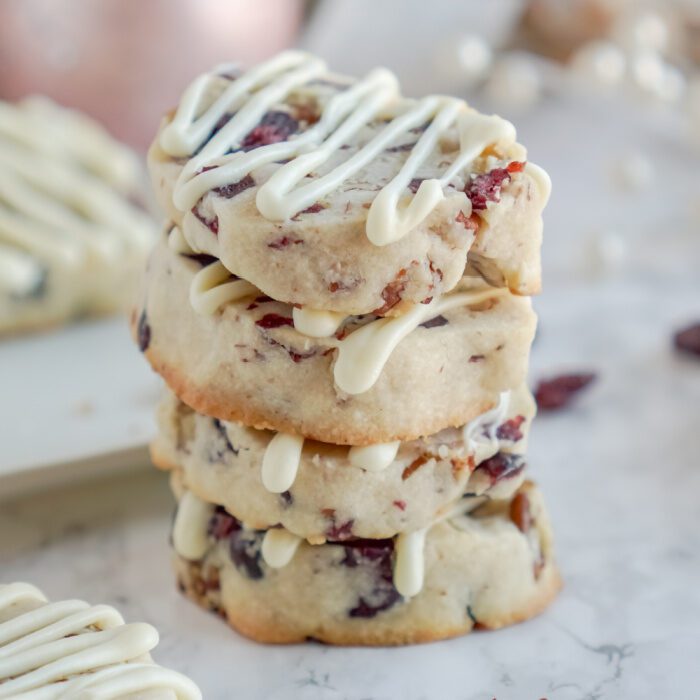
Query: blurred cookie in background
124	63
73	230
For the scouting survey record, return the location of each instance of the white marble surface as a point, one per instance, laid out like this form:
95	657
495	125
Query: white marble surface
620	470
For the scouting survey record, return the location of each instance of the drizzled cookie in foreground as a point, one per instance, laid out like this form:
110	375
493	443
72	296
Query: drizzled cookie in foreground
71	649
339	306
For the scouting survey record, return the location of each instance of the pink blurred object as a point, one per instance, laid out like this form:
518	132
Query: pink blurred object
126	63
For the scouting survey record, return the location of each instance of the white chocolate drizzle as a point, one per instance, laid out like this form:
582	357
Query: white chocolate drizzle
294	186
480	435
213	287
373	458
281	462
71	649
315	323
279	546
190	536
364	352
409	565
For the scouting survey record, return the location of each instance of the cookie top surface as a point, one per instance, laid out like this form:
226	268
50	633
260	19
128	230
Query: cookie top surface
74	649
380	189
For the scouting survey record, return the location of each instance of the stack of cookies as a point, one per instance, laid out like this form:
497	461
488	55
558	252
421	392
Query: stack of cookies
340	309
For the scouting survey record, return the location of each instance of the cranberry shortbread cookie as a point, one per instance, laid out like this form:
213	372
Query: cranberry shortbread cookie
71	649
342	195
72	239
234	354
320	491
488	565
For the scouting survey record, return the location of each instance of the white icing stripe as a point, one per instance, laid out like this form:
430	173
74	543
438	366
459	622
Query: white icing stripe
131	679
409	565
345	114
70	649
190	537
373	458
364	352
316	324
540	176
212	287
279	546
281	462
480	434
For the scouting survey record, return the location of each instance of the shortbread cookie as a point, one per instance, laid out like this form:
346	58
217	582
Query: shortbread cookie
320	491
72	241
372	380
71	649
342	195
485	569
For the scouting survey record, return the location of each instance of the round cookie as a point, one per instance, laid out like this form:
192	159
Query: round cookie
215	170
246	362
72	238
334	492
488	569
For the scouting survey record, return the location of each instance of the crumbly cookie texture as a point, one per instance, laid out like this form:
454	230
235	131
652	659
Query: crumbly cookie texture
310	210
490	568
72	241
332	489
72	649
247	363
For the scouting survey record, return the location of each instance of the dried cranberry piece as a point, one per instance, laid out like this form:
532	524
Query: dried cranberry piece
555	393
262	299
510	430
486	187
340	533
313	209
273	127
143	332
435	322
688	340
218	450
222	524
235	188
211	224
245	550
516	166
501	466
284	242
274	321
377	554
414	185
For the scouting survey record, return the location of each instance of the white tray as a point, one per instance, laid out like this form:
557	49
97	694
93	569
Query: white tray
74	401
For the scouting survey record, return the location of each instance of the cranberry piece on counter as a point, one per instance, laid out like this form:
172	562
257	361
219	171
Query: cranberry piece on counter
552	394
687	340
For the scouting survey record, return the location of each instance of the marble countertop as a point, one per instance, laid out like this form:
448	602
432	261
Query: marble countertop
620	471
